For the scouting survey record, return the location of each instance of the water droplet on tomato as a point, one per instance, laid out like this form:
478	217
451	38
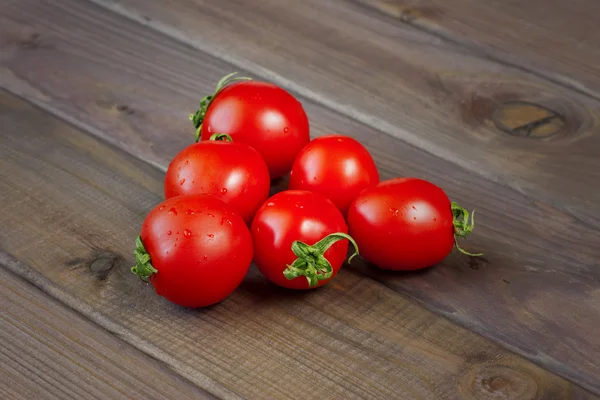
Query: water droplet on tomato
210	235
340	140
298	205
169	233
172	211
435	219
286	129
394	211
270	204
187	162
187	233
190	212
210	215
224	190
181	182
161	208
205	257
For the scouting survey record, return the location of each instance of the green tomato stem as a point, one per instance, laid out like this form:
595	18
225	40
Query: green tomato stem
197	118
221	137
142	268
311	262
463	225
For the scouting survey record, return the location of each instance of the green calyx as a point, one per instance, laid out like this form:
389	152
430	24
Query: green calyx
221	137
311	262
463	226
142	268
197	118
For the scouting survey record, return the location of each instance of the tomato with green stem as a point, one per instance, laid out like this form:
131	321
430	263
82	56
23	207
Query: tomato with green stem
300	239
233	172
260	114
407	224
194	249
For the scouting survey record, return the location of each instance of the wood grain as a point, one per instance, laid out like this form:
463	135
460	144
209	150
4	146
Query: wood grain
535	292
433	93
69	201
556	39
48	351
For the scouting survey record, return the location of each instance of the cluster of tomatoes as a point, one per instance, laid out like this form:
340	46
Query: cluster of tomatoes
197	245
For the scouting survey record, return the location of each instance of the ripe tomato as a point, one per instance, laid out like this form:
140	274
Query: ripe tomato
299	239
407	224
233	172
336	166
194	249
257	113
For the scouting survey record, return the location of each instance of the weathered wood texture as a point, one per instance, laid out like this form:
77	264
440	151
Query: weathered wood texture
69	201
432	93
48	351
538	287
555	38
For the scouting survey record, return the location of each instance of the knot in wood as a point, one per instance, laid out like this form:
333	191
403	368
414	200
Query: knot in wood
102	266
489	381
524	119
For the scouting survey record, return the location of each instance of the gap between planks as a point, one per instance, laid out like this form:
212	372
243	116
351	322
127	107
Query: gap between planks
91	314
57	352
479	50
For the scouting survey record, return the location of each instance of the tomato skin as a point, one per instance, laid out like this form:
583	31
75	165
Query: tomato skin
262	115
200	247
335	166
295	215
233	172
402	224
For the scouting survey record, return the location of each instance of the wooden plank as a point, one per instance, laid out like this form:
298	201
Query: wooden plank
48	351
557	39
540	275
431	92
70	200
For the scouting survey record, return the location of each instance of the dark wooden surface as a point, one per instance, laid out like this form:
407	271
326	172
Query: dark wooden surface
355	338
425	105
48	351
556	39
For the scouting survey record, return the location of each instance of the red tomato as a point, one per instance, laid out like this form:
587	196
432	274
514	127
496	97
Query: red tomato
233	172
406	224
260	114
336	166
194	249
299	239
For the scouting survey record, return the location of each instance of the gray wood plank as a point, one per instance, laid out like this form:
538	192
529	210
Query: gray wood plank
433	93
556	39
70	200
536	290
48	351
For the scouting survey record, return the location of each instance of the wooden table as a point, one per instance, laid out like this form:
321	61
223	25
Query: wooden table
498	102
